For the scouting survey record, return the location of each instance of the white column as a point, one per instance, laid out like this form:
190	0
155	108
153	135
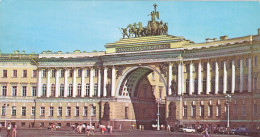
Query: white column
216	78
39	82
99	82
241	76
191	79
249	75
199	78
208	78
225	77
48	82
233	77
105	82
179	78
83	85
74	80
170	79
113	81
57	83
65	82
182	78
91	84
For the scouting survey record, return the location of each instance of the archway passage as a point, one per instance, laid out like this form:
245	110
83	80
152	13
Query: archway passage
143	86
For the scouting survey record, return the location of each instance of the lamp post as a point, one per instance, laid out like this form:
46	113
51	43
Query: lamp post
228	100
158	114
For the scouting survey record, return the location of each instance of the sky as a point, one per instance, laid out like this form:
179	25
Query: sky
67	25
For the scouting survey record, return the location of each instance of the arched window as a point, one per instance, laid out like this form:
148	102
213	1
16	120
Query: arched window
87	90
52	90
61	90
70	90
79	90
44	90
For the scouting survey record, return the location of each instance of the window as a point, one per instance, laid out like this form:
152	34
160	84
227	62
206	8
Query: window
126	112
14	91
61	90
76	111
23	124
212	85
221	65
218	114
243	110
229	64
88	72
24	91
246	62
196	66
53	73
255	61
14	73
187	67
42	113
59	111
95	89
23	111
202	110
210	110
34	91
71	73
79	72
229	85
34	73
238	63
79	90
184	111
33	111
237	83
5	73
255	82
51	112
220	84
204	82
52	90
4	91
204	65
87	89
44	73
62	73
196	86
70	90
93	112
3	110
68	113
213	66
255	109
44	90
85	111
187	86
96	73
24	73
193	111
246	82
13	111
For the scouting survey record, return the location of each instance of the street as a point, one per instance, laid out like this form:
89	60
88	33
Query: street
136	133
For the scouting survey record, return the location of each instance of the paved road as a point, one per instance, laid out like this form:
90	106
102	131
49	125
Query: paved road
137	133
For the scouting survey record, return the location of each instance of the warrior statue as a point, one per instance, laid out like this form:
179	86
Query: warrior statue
124	32
154	13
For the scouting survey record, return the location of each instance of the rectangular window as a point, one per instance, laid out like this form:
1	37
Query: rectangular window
23	111
33	111
4	91
42	111
184	111
61	90
218	114
187	68
255	83
34	91
87	89
196	66
229	64
202	110
96	73
88	73
13	111
238	63
95	89
68	113
14	91
14	73
62	73
24	91
51	112
24	73
204	66
71	73
44	73
85	111
210	110
79	90
193	111
255	109
53	73
76	111
3	111
34	73
126	112
5	73
221	65
59	111
79	72
255	61
187	86
93	112
213	66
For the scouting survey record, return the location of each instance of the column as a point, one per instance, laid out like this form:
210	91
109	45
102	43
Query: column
99	82
83	85
48	82
225	77
182	78
191	79
199	78
74	80
249	75
65	82
105	82
57	83
208	78
179	78
216	78
91	84
113	88
170	79
233	77
39	82
241	76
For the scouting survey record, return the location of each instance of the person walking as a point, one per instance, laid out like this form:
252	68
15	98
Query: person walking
14	131
205	132
9	130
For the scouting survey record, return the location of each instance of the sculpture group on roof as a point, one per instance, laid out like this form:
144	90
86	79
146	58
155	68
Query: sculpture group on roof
153	28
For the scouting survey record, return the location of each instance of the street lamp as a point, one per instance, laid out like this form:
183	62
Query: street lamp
158	113
228	100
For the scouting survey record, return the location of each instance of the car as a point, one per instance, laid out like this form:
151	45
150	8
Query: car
232	131
242	131
187	130
176	128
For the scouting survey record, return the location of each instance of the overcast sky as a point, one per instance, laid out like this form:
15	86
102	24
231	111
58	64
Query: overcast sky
68	25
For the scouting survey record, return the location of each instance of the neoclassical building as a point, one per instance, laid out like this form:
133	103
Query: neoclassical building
124	84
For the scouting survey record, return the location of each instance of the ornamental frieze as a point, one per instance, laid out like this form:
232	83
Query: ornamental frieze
143	48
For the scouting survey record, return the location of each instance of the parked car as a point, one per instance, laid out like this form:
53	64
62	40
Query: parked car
176	128
232	131
187	130
242	131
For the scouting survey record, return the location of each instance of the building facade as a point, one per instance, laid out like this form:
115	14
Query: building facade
124	85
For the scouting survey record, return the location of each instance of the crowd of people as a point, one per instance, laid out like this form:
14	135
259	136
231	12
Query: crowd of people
11	130
90	129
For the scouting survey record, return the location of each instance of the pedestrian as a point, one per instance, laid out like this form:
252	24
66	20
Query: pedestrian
111	128
205	132
83	128
88	129
92	130
168	128
14	131
9	130
120	127
103	129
